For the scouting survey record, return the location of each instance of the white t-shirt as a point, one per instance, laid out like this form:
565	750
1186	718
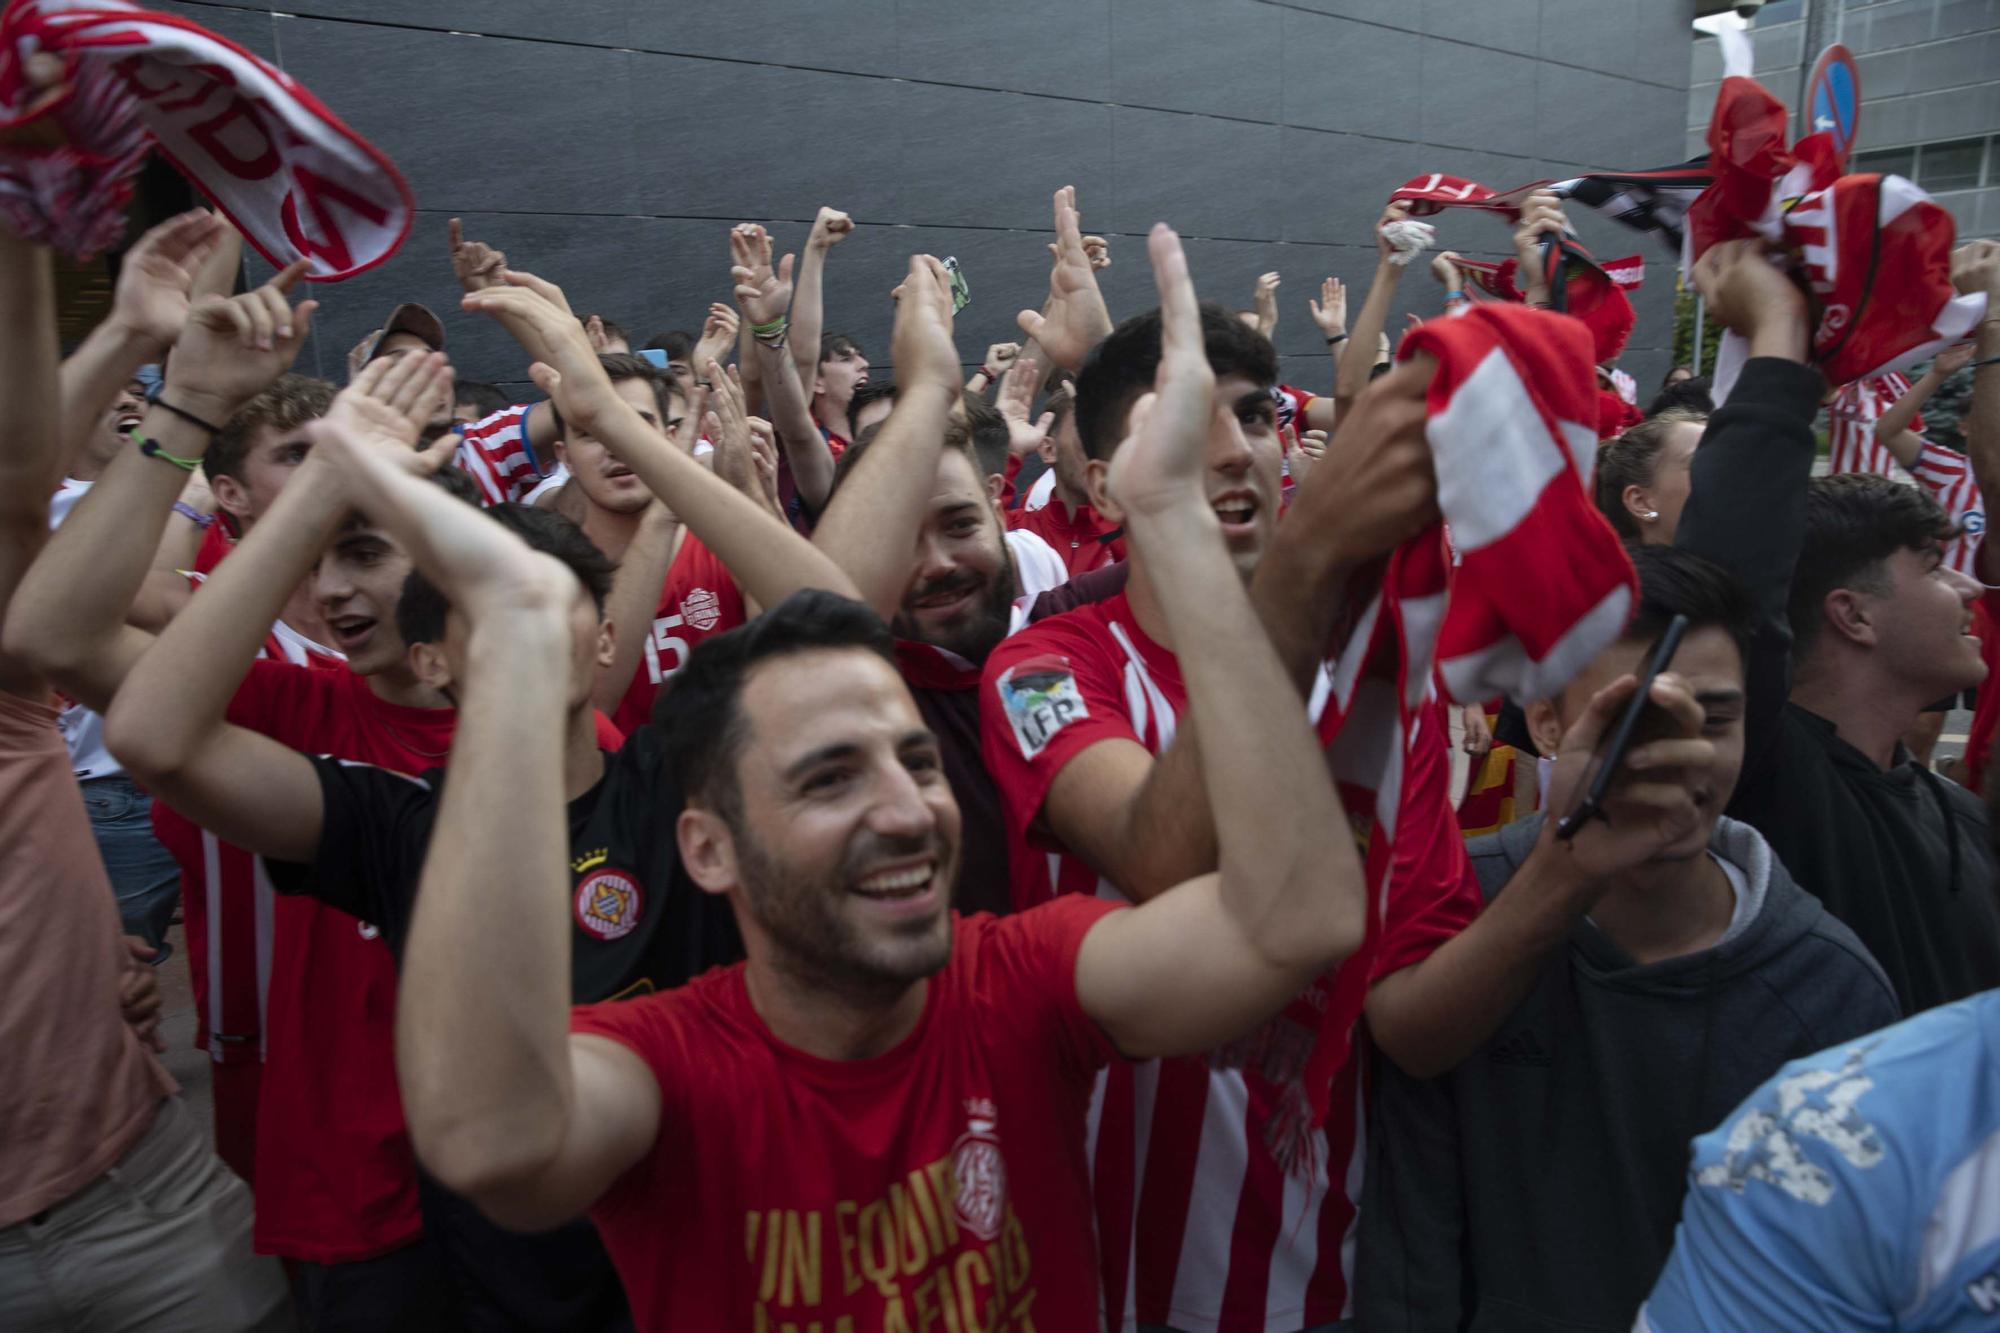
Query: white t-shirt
82	730
1039	566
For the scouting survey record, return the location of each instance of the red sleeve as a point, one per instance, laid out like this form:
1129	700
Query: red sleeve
1046	695
654	1028
608	735
284	701
1432	893
1007	476
1033	953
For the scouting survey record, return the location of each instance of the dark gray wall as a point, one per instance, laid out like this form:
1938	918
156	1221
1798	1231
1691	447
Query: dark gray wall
609	144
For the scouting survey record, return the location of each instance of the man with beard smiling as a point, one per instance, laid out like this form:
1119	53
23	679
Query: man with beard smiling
913	522
878	1116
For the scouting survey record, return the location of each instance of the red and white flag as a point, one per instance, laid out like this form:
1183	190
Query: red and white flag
294	180
1874	252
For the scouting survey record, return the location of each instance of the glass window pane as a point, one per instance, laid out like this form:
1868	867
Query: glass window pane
1951	166
1887	161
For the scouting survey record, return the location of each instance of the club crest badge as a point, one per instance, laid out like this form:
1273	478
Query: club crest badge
702	609
980	1170
609	903
1040	698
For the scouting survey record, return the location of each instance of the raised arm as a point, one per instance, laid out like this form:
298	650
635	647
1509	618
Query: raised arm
168	724
1976	268
70	616
148	307
1892	428
1746	507
1074	319
1209	959
504	1107
30	460
1265	298
870	528
1351	377
1143	822
477	266
765	293
769	560
829	229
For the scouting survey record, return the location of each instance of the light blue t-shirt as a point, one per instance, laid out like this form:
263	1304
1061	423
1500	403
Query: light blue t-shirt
1858	1189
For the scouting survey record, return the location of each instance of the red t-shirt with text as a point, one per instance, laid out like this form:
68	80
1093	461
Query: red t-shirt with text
940	1185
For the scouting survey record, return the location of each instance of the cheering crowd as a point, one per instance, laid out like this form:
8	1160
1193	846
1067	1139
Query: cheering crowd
755	838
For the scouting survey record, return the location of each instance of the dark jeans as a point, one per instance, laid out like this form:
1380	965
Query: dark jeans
144	878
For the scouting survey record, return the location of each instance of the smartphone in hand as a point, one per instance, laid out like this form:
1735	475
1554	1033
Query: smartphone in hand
1611	751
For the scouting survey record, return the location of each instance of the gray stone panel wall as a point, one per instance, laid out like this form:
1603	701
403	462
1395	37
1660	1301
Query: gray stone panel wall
609	144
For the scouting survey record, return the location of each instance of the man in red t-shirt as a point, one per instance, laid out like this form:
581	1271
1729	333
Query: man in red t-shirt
881	1113
1068	522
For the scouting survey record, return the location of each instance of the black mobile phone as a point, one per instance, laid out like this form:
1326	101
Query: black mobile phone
1611	752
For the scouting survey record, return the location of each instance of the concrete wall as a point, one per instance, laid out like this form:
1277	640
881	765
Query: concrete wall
609	144
1930	72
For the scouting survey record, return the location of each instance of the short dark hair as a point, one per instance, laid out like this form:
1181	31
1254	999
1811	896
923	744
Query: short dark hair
955	437
1633	459
613	329
700	715
677	345
1693	395
486	399
285	404
984	430
421	609
632	366
1673	582
1854	522
1121	368
837	344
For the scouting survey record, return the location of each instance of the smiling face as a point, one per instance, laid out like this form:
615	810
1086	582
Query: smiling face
846	842
1243	469
962	584
605	482
1922	624
357	585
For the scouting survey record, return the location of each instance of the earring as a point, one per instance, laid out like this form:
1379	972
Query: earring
1652	514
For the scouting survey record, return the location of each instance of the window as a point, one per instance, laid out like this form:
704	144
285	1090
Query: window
1887	162
1951	166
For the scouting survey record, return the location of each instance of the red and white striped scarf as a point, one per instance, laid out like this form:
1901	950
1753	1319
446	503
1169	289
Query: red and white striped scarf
295	181
1513	410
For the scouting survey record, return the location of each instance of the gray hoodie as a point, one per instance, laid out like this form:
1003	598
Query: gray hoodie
1537	1185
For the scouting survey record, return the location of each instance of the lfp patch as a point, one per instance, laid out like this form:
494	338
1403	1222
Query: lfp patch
1040	698
608	904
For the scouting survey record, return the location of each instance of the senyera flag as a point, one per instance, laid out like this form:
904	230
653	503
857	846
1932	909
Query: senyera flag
296	182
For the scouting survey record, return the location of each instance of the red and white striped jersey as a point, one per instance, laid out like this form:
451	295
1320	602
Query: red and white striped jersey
496	454
1853	413
225	894
1947	475
1218	1208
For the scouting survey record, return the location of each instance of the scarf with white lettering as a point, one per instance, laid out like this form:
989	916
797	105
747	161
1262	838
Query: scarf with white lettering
294	180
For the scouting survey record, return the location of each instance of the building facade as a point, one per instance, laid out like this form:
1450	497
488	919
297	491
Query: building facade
1930	89
610	144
